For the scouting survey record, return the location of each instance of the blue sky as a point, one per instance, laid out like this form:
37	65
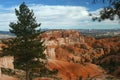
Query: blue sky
57	14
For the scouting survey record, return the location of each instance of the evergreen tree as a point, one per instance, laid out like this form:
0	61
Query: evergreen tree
110	12
27	47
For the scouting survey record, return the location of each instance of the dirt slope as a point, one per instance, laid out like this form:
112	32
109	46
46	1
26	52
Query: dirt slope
72	71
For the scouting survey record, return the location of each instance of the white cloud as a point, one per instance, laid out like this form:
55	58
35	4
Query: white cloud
54	16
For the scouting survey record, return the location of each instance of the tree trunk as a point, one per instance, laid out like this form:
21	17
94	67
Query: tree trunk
27	75
27	72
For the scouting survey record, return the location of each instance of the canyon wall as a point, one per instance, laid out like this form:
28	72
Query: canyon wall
5	62
73	49
59	38
70	45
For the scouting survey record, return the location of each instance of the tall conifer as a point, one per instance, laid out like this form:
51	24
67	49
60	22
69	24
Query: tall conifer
27	48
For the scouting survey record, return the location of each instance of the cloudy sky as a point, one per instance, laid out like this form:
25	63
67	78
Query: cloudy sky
57	14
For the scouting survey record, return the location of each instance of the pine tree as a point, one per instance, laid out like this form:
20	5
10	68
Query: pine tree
110	12
27	47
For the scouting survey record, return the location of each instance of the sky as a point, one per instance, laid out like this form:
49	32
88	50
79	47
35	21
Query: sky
57	14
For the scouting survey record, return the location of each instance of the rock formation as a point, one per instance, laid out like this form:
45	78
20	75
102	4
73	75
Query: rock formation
5	62
73	54
71	46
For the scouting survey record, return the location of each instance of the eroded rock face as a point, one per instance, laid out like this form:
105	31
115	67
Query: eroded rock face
6	62
68	45
59	38
70	48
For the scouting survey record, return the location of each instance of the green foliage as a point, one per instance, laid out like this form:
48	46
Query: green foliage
7	71
107	63
47	72
109	12
27	47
